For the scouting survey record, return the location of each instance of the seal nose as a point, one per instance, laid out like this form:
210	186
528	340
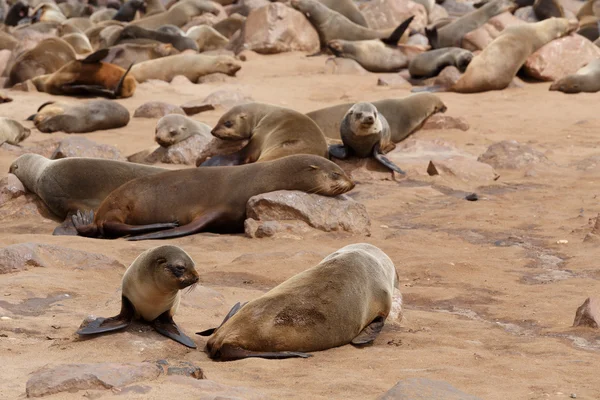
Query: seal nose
368	120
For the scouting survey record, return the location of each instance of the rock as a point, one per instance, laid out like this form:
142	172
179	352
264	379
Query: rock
561	57
504	20
479	38
205	389
594	235
224	99
218	147
26	86
446	78
437	12
11	188
509	154
245	7
281	229
277	28
178	80
393	80
185	152
344	66
425	389
45	148
440	121
464	168
217	77
82	147
588	314
418	40
385	14
588	163
156	109
18	257
457	8
328	214
181	368
526	14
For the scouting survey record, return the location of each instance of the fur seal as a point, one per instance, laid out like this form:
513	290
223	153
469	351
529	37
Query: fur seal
174	128
154	7
126	54
47	12
403	115
70	184
187	201
332	25
432	62
88	77
90	116
348	9
18	11
12	132
80	43
192	66
151	291
104	14
74	25
230	25
128	10
344	299
274	132
207	38
451	35
365	133
181	43
178	15
586	79
544	9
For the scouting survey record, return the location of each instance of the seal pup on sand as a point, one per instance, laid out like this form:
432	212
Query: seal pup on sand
151	291
184	202
174	128
586	79
12	132
344	299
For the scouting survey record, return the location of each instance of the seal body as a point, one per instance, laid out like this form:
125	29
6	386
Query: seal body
174	128
179	15
192	66
12	132
372	55
586	79
80	43
179	42
273	132
192	200
126	54
344	299
432	62
151	292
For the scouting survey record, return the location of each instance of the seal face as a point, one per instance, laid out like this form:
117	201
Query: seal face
151	292
174	128
344	299
12	132
587	79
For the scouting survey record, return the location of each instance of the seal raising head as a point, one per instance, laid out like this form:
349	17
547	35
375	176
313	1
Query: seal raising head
364	120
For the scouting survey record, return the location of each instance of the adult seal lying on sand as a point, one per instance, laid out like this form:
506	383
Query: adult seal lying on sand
175	128
365	133
200	199
274	132
431	63
133	32
192	66
72	184
403	115
151	291
346	298
178	15
587	79
90	116
12	132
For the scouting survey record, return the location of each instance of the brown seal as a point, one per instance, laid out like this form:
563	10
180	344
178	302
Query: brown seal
12	132
151	292
274	132
178	15
365	133
80	117
432	62
126	54
180	42
586	79
71	184
403	115
192	66
174	128
344	299
154	7
188	201
88	77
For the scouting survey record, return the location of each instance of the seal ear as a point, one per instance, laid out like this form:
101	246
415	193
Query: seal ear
432	36
96	57
313	167
398	32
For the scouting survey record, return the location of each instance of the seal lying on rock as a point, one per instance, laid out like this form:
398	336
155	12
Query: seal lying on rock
587	79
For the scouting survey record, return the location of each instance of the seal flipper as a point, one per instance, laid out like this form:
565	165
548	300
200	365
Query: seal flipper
195	226
88	90
96	57
394	38
119	86
369	333
229	353
386	161
230	314
165	325
339	151
432	36
223	160
100	325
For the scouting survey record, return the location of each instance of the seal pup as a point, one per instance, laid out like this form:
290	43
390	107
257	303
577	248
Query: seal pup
192	66
344	299
81	117
128	10
432	62
12	132
273	132
187	201
365	133
586	79
70	184
151	291
175	128
181	43
179	15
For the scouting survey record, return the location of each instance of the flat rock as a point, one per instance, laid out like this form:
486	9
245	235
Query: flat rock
441	121
11	188
588	314
344	66
19	257
45	148
156	109
393	80
217	77
340	213
384	14
82	147
561	57
464	168
277	28
510	154
185	152
224	99
425	389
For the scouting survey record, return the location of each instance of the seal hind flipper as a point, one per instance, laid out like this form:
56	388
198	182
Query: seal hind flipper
386	161
119	86
195	226
394	38
101	325
369	333
230	314
339	151
432	36
165	325
230	353
96	57
84	223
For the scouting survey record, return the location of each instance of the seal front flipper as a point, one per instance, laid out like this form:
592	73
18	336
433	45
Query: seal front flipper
371	331
230	353
230	314
100	325
165	325
193	227
394	38
386	161
339	151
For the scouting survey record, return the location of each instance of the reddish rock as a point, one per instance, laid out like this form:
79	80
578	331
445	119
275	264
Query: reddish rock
184	152
344	66
156	109
11	188
588	314
510	154
82	147
423	388
440	121
561	57
385	14
504	20
277	28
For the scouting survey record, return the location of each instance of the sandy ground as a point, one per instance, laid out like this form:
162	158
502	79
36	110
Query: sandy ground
489	294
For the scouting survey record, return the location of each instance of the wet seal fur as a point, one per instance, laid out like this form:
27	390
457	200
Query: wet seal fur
365	133
174	128
344	299
432	62
188	201
274	132
586	79
151	291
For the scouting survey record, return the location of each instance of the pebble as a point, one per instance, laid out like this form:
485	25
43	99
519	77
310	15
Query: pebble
562	241
5	318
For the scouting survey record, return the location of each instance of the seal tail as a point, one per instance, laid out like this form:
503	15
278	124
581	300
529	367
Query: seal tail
119	87
398	32
429	89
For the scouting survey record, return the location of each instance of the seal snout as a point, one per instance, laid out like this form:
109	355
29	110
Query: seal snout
367	120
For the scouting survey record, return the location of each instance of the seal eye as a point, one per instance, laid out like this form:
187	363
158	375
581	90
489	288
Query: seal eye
358	115
335	175
228	124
